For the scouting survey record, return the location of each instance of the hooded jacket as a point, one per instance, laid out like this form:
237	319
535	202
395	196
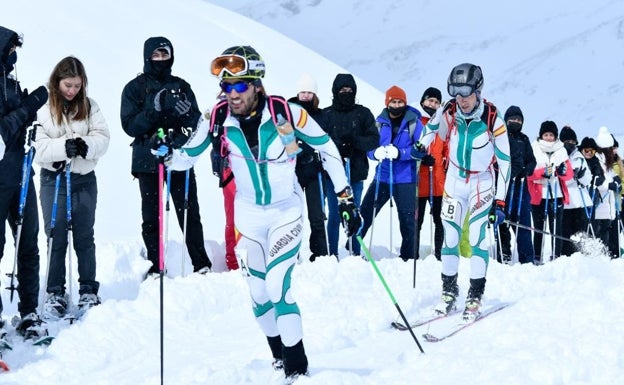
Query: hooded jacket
140	120
352	128
14	118
403	168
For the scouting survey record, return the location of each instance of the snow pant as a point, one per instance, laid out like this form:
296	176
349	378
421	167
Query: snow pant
403	195
555	223
438	234
28	251
524	242
148	185
229	191
84	193
316	216
574	221
333	216
469	200
602	230
614	238
268	249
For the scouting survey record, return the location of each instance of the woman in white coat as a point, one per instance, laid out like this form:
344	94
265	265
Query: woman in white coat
70	139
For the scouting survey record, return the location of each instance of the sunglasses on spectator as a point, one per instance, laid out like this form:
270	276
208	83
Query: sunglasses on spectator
589	151
240	87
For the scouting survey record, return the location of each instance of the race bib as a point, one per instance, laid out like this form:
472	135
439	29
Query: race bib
449	208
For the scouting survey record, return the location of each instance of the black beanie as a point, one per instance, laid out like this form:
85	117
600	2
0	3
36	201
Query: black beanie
587	142
513	111
548	126
567	133
431	92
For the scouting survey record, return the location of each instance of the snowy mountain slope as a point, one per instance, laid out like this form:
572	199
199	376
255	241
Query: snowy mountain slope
558	60
564	326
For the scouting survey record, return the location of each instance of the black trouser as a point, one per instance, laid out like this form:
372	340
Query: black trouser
148	185
403	194
84	193
316	217
555	223
574	220
28	252
438	234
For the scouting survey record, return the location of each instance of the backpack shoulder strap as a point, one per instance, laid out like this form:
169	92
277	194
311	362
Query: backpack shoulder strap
278	105
489	111
217	129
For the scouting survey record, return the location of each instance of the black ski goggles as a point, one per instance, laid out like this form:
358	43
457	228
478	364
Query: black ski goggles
462	90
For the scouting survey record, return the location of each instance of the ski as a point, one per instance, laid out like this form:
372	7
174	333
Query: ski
461	326
42	341
402	327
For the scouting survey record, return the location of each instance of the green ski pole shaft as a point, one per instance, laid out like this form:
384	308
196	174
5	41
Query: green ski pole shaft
385	285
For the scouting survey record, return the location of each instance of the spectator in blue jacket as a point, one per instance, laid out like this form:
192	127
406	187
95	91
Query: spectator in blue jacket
399	128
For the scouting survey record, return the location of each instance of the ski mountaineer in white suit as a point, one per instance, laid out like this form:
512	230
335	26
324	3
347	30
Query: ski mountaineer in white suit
269	201
477	138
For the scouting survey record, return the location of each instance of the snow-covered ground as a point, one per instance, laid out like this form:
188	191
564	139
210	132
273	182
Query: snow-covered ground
565	322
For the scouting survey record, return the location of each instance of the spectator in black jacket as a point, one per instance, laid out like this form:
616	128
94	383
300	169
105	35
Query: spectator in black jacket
17	111
309	168
156	99
353	129
518	200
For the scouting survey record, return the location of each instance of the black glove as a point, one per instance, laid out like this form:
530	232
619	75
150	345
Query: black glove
497	212
521	173
562	169
600	179
579	173
183	105
349	213
345	149
71	148
160	148
59	166
35	100
83	147
428	160
418	151
616	184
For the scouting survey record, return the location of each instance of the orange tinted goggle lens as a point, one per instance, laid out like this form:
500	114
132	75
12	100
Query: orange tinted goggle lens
232	64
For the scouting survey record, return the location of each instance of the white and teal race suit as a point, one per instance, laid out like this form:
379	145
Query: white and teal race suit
470	188
268	210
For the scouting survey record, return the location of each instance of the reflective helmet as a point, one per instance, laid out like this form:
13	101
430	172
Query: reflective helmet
464	80
238	62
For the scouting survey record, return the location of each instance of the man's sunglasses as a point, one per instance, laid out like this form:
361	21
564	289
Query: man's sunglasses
239	87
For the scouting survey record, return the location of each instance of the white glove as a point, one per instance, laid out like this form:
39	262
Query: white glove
392	152
380	153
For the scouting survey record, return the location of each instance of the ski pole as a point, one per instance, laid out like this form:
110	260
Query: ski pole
187	178
519	211
391	199
167	208
431	210
26	167
322	194
161	256
538	230
416	219
69	235
385	285
372	228
57	186
348	173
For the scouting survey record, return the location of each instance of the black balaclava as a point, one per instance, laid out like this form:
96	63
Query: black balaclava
159	69
8	39
346	100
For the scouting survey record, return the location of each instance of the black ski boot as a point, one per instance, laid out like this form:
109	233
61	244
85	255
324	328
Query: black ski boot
295	362
275	343
473	300
450	291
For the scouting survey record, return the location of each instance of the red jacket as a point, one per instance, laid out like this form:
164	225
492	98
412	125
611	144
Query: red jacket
439	150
